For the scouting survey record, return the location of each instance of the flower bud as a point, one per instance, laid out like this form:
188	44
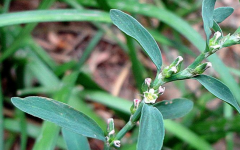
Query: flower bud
161	90
235	37
177	61
135	105
117	143
216	36
110	127
166	73
173	68
148	81
146	84
215	43
202	67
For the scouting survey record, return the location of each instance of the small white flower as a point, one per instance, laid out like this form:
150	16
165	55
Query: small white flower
150	96
117	143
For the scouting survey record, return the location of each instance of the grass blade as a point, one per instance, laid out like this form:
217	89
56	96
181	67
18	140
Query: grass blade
32	130
186	135
1	116
23	127
53	16
95	40
24	32
137	67
75	141
48	135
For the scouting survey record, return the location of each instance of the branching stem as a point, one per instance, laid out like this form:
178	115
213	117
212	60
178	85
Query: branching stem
184	74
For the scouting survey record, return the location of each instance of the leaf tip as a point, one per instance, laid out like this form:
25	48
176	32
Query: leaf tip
14	99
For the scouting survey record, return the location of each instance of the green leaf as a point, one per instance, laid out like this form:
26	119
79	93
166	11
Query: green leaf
60	114
216	28
75	141
151	129
218	89
207	15
176	108
53	16
133	28
221	13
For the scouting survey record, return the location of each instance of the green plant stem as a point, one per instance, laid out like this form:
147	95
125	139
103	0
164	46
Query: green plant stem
130	124
124	130
197	61
1	117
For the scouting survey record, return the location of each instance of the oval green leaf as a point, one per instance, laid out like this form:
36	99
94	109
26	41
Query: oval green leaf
151	129
60	114
133	28
75	141
176	108
218	89
207	15
221	13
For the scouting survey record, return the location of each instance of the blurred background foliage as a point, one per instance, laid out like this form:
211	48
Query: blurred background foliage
75	55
